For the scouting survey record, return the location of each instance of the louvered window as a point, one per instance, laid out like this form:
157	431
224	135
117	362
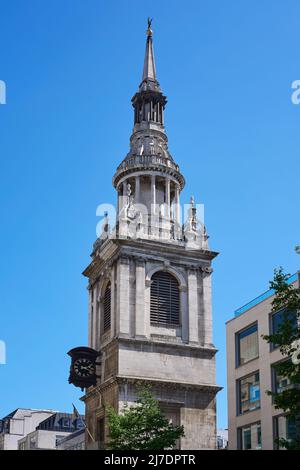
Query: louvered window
107	309
164	302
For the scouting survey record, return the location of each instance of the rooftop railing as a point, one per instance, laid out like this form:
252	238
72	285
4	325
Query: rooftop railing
262	297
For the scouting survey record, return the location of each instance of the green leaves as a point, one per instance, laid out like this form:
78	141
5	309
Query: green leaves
287	300
141	426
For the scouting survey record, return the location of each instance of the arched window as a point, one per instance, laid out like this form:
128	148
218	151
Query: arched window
164	299
107	308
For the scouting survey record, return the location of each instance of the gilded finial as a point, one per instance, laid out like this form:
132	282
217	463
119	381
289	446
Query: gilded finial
149	30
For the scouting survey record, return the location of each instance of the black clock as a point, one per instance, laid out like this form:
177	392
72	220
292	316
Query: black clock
83	367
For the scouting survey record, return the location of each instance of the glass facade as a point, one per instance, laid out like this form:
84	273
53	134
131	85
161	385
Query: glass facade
286	428
278	318
247	345
249	393
280	383
249	437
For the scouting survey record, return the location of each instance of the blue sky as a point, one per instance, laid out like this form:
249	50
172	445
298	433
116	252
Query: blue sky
71	68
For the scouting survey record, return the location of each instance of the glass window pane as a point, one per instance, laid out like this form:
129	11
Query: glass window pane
281	383
258	437
249	393
250	437
278	318
247	345
246	438
287	428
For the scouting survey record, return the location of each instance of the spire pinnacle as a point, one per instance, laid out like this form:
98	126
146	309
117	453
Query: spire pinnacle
149	30
149	71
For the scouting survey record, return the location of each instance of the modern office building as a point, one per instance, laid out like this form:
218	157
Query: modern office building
254	422
150	308
49	432
18	424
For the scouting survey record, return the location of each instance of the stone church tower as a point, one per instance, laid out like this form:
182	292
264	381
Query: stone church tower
150	312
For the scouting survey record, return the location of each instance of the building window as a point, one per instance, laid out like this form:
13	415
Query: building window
277	319
286	428
164	299
279	382
247	345
107	308
248	393
249	437
65	422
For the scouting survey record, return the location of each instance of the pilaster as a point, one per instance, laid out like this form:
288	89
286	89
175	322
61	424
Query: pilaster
123	282
193	305
207	305
140	318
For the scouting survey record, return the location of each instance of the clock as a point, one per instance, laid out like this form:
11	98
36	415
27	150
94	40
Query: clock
84	367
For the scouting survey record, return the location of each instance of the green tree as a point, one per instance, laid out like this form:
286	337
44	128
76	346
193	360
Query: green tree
287	336
142	426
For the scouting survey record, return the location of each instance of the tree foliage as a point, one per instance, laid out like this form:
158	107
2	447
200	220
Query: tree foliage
141	426
287	300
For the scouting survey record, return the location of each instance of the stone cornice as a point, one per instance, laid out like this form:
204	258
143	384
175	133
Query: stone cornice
147	250
103	259
163	248
91	392
199	350
96	390
212	388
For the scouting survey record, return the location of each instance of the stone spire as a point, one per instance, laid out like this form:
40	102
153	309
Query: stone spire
154	177
149	71
148	142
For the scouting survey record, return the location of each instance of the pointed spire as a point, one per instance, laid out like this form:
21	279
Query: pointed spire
149	71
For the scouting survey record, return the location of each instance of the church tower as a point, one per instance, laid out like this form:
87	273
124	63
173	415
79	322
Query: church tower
150	311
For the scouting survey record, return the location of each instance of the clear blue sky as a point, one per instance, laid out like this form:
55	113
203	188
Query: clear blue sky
71	68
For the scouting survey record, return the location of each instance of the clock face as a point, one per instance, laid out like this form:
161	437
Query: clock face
84	367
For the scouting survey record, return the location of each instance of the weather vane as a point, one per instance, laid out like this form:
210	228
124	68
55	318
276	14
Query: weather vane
149	30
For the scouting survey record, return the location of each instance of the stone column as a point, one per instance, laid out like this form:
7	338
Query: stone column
119	202
153	216
177	202
153	194
193	305
123	314
95	332
140	321
147	307
184	314
124	193
168	196
207	305
166	228
137	198
112	303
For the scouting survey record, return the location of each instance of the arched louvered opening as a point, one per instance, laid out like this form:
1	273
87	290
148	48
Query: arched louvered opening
107	308
164	299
